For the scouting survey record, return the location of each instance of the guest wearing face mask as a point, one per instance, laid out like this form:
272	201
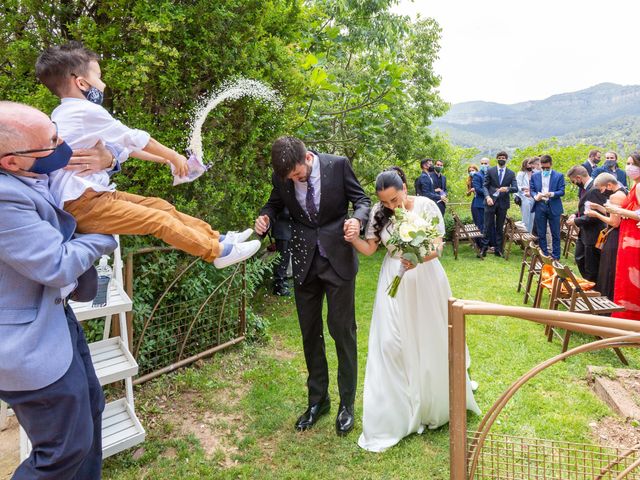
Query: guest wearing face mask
547	189
627	284
592	162
499	183
474	187
611	166
609	186
440	185
523	197
587	256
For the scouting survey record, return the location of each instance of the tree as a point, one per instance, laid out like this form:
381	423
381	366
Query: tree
371	88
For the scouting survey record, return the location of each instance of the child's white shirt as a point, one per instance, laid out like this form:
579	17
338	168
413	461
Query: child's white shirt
81	124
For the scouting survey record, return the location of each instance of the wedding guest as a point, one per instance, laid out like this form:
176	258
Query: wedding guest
608	185
46	373
424	183
610	165
627	284
547	190
406	383
440	185
593	161
474	187
523	197
587	256
498	185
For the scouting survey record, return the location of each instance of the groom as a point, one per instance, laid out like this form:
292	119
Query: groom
317	189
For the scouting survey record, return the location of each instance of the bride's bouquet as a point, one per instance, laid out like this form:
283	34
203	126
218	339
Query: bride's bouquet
413	236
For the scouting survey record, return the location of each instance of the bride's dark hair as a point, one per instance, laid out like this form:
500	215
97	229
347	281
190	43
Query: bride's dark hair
392	177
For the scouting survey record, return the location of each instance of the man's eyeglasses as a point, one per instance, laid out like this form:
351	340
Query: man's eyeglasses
23	153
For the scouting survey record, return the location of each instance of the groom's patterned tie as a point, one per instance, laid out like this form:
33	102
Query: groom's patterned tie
310	202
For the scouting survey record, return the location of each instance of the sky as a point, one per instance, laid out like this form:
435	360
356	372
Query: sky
513	51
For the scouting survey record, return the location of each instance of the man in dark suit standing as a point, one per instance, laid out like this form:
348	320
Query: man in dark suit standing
498	185
424	183
440	185
547	189
317	189
592	162
587	256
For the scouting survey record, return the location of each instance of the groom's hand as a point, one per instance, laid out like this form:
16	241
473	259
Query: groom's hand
262	224
351	229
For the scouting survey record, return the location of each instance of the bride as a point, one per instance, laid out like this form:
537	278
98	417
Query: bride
406	383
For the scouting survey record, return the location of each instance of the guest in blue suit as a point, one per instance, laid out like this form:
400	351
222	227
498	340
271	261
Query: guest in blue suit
424	184
547	189
474	187
610	165
46	374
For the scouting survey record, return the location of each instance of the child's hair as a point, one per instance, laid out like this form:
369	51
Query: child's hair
56	64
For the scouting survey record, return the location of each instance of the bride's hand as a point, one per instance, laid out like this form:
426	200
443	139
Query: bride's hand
407	264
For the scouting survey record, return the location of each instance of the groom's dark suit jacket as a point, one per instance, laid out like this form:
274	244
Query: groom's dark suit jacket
338	188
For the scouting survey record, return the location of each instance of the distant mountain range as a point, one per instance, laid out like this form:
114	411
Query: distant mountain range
597	115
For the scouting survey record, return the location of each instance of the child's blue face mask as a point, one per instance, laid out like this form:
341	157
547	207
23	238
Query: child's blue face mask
94	95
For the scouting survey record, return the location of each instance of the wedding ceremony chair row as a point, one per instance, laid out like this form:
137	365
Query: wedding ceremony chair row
573	294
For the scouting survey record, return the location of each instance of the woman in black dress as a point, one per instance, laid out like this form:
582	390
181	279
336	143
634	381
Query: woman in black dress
609	186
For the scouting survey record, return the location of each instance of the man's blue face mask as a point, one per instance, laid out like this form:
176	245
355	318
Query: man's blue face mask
546	173
56	160
609	164
484	168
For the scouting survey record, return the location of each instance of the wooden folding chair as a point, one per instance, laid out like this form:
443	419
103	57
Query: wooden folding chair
535	268
514	234
568	233
568	292
462	232
525	265
541	286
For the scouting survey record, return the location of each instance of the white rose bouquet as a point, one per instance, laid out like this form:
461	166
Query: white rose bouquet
413	237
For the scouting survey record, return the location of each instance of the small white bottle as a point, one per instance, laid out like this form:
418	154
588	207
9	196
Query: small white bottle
105	273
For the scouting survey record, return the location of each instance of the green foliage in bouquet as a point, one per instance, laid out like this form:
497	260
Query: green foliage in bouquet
413	236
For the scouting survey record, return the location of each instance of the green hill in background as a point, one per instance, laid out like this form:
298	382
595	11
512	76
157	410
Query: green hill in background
598	115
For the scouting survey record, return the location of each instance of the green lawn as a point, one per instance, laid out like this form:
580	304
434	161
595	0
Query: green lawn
232	416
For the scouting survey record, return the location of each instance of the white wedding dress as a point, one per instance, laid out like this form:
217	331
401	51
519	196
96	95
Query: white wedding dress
406	383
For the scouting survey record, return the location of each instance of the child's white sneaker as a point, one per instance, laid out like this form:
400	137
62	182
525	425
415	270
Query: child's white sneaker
237	237
239	252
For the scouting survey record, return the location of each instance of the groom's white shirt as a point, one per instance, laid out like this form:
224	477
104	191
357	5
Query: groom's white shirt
314	179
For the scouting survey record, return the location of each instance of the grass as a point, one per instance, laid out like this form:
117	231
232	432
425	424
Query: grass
232	416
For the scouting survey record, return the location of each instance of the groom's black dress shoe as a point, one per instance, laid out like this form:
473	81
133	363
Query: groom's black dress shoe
483	252
344	420
312	414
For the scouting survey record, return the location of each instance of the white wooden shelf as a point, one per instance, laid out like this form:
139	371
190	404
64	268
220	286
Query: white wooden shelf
112	360
118	302
121	429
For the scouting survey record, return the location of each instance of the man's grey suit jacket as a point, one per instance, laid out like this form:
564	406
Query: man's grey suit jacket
38	256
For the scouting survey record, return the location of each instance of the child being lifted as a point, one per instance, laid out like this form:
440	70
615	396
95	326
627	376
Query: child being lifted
72	73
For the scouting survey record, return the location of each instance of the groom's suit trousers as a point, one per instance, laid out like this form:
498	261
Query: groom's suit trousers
323	280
